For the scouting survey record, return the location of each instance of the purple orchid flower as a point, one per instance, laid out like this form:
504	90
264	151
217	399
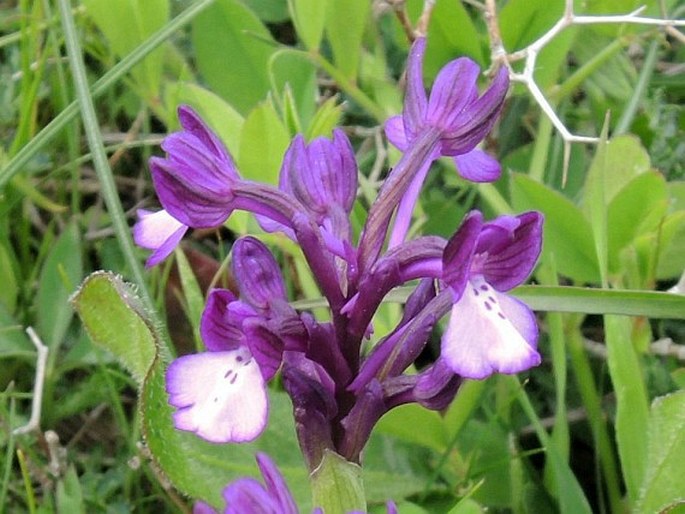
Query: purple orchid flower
229	402
158	231
322	176
194	181
455	109
488	330
462	120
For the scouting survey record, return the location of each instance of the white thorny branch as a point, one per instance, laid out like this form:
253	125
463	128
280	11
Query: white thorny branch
530	54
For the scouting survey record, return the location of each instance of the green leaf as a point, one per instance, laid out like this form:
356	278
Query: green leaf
309	17
672	246
263	142
445	43
337	485
594	202
636	209
401	423
10	288
662	488
13	339
126	24
325	120
69	494
345	22
294	69
233	48
651	304
217	113
567	233
625	159
271	11
61	273
523	21
113	317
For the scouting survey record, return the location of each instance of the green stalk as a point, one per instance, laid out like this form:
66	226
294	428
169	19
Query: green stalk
538	162
118	71
102	168
593	406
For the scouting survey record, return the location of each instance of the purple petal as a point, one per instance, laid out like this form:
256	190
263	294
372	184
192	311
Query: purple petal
458	254
220	396
186	201
192	123
200	507
477	166
512	265
437	386
275	485
248	496
415	102
265	346
477	119
158	231
218	332
394	131
481	340
405	209
257	273
322	173
454	88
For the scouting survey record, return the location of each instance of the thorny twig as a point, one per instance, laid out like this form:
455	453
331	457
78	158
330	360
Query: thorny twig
41	361
500	56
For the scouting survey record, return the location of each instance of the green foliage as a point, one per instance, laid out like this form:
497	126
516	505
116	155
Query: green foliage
232	50
260	71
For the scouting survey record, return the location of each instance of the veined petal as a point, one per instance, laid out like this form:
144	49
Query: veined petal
187	202
192	123
477	118
415	102
218	332
275	484
511	265
257	273
158	231
480	339
458	254
221	396
248	496
454	88
394	131
478	166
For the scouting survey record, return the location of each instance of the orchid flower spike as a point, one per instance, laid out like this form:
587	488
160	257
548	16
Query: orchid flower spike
490	331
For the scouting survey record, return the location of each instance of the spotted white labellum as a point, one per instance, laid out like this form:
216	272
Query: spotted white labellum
221	396
489	332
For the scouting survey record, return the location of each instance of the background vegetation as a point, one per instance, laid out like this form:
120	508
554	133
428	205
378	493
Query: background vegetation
89	88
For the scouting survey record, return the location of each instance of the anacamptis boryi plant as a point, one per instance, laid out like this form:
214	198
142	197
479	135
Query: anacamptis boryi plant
338	393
